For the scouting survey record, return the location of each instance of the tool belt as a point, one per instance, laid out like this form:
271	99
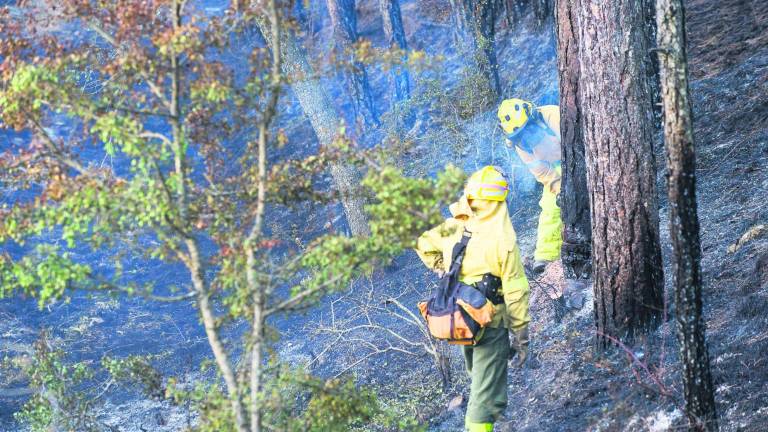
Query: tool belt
490	286
457	312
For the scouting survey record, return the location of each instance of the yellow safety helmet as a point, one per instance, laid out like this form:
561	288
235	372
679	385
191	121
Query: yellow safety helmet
488	184
513	115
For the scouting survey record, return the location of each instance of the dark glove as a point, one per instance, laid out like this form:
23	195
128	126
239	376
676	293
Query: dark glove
519	346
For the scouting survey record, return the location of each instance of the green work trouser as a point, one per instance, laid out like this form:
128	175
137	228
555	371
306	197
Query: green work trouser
487	366
549	235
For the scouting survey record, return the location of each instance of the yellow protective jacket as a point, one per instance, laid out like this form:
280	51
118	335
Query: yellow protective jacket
491	249
541	162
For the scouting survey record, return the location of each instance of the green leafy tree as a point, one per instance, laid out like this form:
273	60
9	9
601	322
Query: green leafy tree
187	116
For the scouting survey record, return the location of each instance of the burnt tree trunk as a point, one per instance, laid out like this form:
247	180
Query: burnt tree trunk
393	29
344	22
574	196
653	65
683	217
542	11
621	171
302	15
474	22
514	10
324	119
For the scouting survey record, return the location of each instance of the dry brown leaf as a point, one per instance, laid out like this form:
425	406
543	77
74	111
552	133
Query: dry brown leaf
751	234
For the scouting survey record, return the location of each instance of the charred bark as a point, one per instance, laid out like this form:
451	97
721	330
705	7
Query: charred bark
344	23
653	65
621	171
574	196
395	32
514	10
542	11
319	110
683	216
475	30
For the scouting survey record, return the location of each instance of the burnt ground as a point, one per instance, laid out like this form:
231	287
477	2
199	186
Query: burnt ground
574	389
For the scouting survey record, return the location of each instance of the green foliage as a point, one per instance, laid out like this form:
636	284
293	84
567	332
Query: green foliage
402	209
114	129
58	404
44	276
27	90
407	406
444	110
406	207
296	401
209	401
293	401
136	370
335	405
170	173
474	94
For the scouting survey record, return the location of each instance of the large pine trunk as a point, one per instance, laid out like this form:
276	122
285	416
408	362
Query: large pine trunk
395	32
574	196
621	170
319	110
683	217
344	23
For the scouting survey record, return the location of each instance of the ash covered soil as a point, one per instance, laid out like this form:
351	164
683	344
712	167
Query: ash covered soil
573	389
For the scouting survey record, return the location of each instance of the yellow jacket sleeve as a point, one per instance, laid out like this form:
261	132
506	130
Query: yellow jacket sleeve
429	248
514	286
546	172
551	116
544	160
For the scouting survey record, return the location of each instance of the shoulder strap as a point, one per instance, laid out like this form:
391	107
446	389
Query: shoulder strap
457	256
449	281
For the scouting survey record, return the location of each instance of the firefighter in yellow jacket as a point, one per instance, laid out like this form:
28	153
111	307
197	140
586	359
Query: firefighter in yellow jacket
535	134
491	256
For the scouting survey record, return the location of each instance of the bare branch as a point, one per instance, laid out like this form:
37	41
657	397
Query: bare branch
155	135
51	145
295	300
155	89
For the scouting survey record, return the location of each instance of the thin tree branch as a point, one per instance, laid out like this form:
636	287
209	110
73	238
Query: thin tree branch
155	89
293	301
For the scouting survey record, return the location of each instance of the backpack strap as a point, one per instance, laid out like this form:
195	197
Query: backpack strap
449	281
457	256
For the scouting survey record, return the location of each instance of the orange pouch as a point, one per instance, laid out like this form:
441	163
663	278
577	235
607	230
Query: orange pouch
457	312
461	320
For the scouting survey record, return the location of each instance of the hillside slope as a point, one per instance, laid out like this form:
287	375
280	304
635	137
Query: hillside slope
573	390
